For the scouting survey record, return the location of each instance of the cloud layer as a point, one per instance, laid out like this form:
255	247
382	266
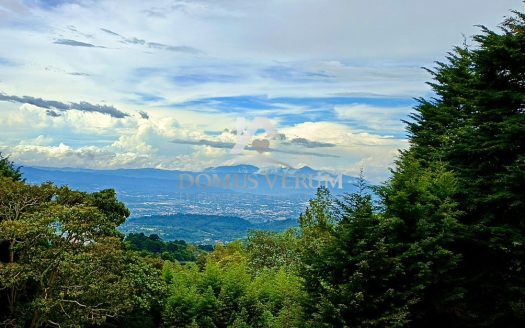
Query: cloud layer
161	83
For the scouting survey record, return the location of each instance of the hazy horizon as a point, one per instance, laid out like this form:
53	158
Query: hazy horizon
96	84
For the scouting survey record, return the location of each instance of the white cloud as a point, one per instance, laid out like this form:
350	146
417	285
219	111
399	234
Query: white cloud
381	43
148	143
384	119
310	48
355	150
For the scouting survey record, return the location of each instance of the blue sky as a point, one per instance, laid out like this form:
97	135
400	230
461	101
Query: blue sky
108	84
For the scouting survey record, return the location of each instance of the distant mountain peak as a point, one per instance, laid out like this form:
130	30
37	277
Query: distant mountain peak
306	170
241	168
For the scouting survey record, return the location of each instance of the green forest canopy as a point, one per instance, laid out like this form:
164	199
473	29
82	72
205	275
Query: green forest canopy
444	246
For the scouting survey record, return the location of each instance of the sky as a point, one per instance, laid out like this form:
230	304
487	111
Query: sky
167	84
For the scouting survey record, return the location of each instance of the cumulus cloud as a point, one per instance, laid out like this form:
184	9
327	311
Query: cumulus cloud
334	79
90	139
64	155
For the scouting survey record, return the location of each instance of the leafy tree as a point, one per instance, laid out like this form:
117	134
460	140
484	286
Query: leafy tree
8	169
227	292
177	250
446	246
269	249
65	261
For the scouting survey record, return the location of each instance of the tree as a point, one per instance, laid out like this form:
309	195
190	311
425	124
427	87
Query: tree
273	250
384	269
375	269
424	232
65	262
474	129
227	292
177	250
8	169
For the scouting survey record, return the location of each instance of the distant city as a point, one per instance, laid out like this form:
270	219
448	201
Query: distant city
160	203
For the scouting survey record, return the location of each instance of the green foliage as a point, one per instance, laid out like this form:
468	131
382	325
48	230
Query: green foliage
349	279
445	247
317	225
8	169
63	261
273	250
105	201
177	250
424	226
475	129
224	293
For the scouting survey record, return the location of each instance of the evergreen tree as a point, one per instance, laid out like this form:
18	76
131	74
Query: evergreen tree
8	169
475	128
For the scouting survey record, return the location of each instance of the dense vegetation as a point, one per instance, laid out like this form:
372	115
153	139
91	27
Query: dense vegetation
177	250
8	169
445	246
200	228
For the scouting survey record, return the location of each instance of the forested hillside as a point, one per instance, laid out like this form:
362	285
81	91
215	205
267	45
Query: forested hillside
444	246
